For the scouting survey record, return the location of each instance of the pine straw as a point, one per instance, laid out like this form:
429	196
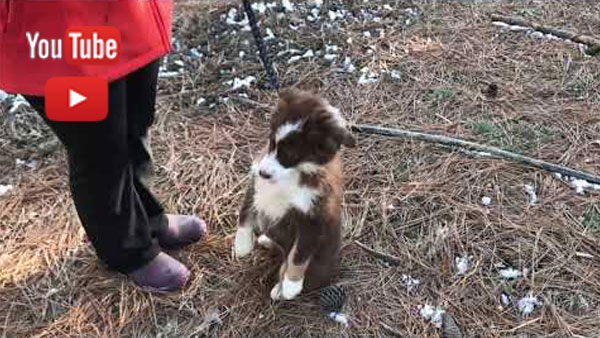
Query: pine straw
416	201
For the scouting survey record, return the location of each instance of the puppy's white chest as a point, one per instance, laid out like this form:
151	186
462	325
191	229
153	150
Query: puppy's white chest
275	199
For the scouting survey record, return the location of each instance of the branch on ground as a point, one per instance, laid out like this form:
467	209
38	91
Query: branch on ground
590	41
507	155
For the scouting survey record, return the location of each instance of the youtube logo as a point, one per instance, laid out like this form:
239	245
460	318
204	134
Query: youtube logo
73	98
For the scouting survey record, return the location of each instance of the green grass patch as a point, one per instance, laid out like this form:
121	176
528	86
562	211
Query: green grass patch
440	95
513	135
591	218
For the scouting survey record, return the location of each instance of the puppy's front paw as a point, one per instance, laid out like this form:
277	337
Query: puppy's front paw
244	241
287	289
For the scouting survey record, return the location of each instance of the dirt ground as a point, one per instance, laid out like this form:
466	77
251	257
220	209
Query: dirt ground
435	66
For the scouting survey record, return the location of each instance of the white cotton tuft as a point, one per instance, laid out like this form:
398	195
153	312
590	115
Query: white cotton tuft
409	282
24	163
367	77
528	303
240	83
287	5
232	14
396	74
510	273
168	74
339	318
200	101
462	264
196	53
348	66
432	314
533	199
485	200
410	11
334	15
580	185
269	34
330	57
259	7
316	3
4	189
314	15
331	48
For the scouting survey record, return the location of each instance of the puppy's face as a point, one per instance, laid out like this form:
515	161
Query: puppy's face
306	133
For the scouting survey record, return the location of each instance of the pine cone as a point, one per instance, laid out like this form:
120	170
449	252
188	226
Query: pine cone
332	298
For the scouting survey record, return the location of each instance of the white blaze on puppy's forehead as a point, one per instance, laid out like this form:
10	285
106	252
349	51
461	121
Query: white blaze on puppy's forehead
286	129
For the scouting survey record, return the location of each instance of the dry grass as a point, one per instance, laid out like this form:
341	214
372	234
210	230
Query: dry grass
419	202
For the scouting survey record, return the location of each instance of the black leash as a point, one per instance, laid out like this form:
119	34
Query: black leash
260	43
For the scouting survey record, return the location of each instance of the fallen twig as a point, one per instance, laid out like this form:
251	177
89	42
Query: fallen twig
393	132
590	41
388	258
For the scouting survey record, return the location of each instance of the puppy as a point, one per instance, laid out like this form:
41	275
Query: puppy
294	200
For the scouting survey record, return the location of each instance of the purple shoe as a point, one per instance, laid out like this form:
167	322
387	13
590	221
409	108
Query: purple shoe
163	273
181	231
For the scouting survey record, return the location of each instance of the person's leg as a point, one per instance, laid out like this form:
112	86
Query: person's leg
171	230
102	186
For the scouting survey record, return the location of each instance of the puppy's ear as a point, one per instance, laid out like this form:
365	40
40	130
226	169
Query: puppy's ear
289	95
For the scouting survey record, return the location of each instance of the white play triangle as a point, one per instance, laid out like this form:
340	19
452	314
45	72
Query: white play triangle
75	98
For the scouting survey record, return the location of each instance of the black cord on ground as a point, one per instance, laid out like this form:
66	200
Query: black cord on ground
260	43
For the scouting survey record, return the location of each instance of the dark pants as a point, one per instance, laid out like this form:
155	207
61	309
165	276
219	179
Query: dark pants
110	166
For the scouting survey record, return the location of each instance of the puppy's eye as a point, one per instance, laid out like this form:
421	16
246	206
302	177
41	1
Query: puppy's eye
287	156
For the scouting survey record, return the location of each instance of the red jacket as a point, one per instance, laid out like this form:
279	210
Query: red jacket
145	27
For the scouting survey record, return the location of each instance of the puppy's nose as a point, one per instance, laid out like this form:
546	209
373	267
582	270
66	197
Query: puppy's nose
264	174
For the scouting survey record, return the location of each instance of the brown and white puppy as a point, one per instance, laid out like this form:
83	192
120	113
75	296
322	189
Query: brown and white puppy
294	200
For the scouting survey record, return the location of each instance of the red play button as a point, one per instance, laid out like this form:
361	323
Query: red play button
74	98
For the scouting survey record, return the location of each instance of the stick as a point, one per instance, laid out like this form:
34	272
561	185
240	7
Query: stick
389	258
591	41
400	133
